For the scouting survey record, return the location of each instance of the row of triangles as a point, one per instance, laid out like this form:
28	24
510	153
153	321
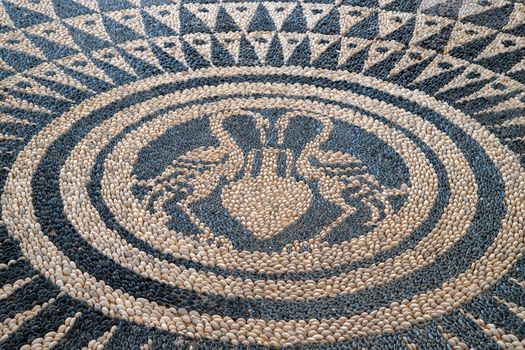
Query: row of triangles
96	32
414	67
53	87
447	8
252	15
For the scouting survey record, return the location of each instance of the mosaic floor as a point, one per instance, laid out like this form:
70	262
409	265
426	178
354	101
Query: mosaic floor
209	174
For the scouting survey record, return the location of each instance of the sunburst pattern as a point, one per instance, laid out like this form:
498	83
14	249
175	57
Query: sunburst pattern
210	174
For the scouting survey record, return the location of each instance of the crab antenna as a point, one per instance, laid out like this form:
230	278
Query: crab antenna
281	125
261	123
289	162
249	163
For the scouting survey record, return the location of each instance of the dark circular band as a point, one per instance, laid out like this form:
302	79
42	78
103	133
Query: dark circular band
48	208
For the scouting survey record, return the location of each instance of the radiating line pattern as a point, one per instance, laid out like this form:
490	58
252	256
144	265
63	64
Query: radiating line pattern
303	174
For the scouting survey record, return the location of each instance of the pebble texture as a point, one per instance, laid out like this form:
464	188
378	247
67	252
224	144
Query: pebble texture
318	174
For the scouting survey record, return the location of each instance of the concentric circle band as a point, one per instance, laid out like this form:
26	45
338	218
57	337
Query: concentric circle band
121	189
505	247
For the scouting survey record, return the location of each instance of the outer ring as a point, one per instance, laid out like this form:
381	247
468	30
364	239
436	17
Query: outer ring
500	254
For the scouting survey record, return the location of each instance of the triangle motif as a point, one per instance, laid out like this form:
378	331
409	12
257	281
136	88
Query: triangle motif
241	13
23	17
19	83
114	5
141	50
166	19
112	57
464	33
503	43
385	3
472	9
280	11
201	43
519	67
224	22
231	43
495	18
6	118
472	74
350	47
516	18
29	107
219	55
206	13
314	12
51	49
70	8
4	67
53	32
5	21
155	28
135	3
289	42
261	21
261	43
92	25
16	41
247	54
83	66
52	72
512	104
190	23
301	54
367	28
131	19
18	60
295	21
156	2
501	85
90	4
389	22
412	57
120	33
319	43
403	5
438	66
380	51
329	24
350	16
44	7
428	27
171	46
443	8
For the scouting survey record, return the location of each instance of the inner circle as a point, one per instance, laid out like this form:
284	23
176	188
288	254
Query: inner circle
136	140
153	125
265	165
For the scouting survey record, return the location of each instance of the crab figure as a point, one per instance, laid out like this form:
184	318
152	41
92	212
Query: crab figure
342	178
266	187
